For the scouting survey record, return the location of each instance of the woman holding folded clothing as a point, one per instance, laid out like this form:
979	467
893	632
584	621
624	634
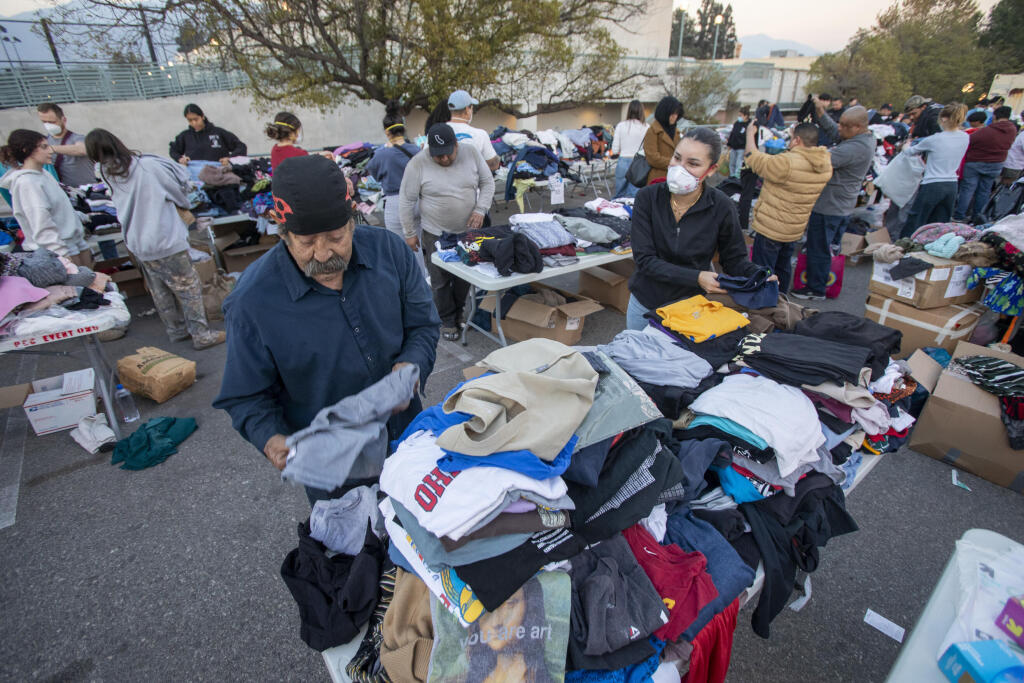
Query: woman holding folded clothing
678	228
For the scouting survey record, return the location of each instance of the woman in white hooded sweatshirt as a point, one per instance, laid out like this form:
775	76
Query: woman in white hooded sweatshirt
147	192
41	208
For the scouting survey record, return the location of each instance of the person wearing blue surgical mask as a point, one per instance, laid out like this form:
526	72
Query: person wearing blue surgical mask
678	228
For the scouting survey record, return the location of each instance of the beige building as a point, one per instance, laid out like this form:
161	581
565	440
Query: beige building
1010	86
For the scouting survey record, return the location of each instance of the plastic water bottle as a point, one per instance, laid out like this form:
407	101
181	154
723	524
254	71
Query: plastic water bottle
126	404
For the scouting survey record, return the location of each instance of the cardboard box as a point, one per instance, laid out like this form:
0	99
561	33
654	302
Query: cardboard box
608	284
531	319
983	661
943	284
128	278
943	327
156	374
55	403
961	425
237	260
854	245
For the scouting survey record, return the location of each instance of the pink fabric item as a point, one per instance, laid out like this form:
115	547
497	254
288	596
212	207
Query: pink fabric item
16	291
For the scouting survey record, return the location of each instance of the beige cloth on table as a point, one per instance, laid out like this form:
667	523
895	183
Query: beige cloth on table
537	399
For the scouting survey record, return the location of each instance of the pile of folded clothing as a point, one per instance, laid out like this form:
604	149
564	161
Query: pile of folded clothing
556	244
599	514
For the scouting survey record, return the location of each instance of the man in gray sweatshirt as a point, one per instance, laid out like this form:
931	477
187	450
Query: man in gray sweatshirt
454	189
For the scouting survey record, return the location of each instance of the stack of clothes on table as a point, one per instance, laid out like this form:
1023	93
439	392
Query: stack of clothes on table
530	242
775	434
614	215
40	291
991	253
536	520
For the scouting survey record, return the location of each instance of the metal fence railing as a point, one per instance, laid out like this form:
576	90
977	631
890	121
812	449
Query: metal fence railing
31	85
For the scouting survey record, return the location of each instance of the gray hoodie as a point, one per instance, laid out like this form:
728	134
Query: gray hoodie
146	201
43	211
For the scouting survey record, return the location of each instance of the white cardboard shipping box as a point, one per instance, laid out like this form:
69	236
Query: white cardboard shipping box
58	403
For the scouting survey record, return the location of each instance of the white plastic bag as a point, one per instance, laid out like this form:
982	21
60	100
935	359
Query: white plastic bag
899	180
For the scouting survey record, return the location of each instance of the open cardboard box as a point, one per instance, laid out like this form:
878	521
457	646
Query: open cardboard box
128	278
530	319
854	245
961	425
944	284
55	403
608	284
237	260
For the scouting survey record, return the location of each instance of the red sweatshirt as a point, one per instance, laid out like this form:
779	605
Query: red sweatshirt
991	143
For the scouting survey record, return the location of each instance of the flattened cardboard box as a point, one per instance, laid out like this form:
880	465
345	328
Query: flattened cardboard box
530	319
608	284
943	327
961	424
944	284
155	373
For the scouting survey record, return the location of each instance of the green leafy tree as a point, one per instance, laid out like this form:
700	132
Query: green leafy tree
863	68
705	30
520	56
925	47
1003	34
701	87
681	20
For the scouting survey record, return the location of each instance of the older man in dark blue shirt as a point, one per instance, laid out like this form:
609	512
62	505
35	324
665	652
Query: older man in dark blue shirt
330	310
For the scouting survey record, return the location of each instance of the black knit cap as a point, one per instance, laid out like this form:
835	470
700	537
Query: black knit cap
310	195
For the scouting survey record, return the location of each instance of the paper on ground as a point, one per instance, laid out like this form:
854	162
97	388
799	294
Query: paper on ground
873	618
957	482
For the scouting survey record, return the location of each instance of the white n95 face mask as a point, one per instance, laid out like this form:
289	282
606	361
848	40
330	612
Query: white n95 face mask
52	129
681	181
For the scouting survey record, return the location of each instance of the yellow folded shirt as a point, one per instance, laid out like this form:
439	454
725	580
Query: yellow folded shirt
698	319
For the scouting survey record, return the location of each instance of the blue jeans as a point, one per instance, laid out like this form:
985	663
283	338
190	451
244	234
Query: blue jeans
979	176
623	188
635	315
735	162
934	204
777	256
821	233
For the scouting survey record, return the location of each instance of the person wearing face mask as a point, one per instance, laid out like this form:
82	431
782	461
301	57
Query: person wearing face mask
40	206
679	226
661	138
333	308
203	141
73	166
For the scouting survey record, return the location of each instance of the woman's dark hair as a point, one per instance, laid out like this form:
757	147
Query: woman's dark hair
485	659
394	122
441	114
106	149
191	108
21	143
285	124
666	107
635	111
709	138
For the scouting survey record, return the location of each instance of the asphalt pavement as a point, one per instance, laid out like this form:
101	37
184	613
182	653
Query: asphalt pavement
171	573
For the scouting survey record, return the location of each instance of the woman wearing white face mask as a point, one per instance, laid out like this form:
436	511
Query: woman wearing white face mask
679	226
286	130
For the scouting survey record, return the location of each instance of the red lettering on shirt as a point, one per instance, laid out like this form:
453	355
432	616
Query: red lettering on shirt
430	491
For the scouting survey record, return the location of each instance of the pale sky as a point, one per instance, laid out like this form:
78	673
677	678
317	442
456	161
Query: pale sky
825	26
821	25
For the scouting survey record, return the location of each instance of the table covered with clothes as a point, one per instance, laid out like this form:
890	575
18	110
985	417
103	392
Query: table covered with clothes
596	514
32	316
